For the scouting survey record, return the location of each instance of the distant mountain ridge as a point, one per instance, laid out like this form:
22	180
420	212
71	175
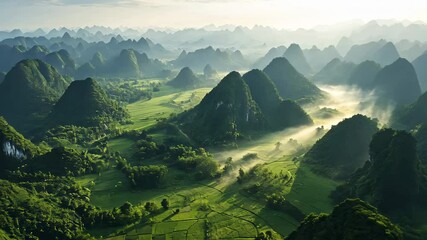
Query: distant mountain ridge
222	60
317	59
382	52
81	50
336	72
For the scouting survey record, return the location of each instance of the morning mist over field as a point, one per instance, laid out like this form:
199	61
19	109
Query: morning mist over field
202	119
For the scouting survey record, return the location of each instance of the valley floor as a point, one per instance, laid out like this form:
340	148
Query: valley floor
220	209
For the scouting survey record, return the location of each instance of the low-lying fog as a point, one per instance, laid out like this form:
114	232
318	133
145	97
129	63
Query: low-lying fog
345	100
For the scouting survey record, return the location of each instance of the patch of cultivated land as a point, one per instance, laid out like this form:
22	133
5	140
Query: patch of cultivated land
211	208
145	113
125	146
218	209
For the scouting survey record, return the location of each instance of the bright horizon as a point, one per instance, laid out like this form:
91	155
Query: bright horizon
281	14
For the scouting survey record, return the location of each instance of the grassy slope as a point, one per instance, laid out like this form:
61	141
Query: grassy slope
125	146
144	113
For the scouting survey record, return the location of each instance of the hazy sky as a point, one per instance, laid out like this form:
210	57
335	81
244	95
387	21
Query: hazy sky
290	14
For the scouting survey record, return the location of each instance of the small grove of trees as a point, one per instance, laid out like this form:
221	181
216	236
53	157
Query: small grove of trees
64	205
148	148
278	202
125	214
146	176
165	204
258	172
125	92
194	160
262	174
228	165
267	235
82	136
65	162
250	156
151	207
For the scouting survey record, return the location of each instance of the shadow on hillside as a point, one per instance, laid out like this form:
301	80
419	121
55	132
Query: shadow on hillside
310	192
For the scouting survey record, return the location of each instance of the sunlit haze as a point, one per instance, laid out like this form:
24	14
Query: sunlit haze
31	14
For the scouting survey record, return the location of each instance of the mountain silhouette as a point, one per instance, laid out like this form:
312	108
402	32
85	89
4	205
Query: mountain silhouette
85	103
29	91
351	219
289	82
344	148
185	79
296	57
363	76
397	83
336	72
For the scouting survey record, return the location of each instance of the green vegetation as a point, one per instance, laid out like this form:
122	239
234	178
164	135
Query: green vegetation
129	156
198	161
126	92
421	136
185	79
393	180
75	136
145	114
408	117
344	148
85	103
226	114
351	219
145	176
14	147
364	74
289	82
397	83
62	61
240	108
279	114
22	210
65	161
28	93
8	134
